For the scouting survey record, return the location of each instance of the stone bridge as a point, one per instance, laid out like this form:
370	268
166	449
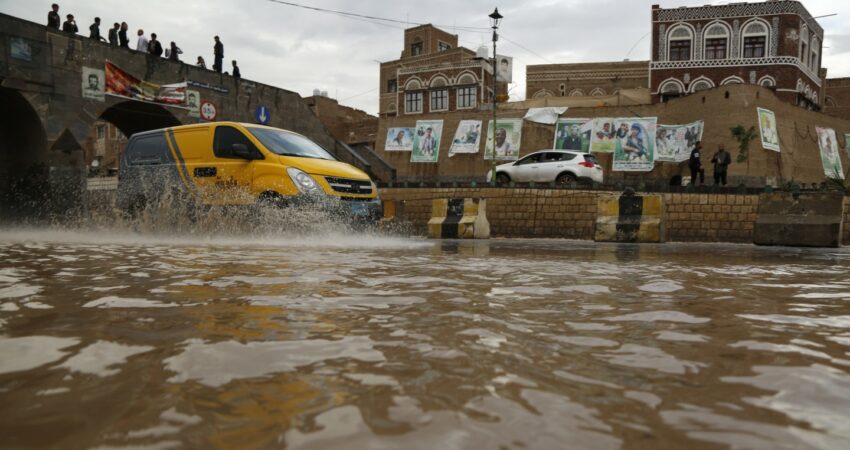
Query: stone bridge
45	118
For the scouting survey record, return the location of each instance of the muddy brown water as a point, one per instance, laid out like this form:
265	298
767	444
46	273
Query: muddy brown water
356	341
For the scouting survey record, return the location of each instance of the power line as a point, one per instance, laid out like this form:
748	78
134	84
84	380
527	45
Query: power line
358	95
527	49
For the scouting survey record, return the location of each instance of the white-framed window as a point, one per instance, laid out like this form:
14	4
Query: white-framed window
754	39
701	84
767	81
440	100
804	44
813	61
413	102
442	46
716	42
732	80
671	86
680	43
597	92
576	93
466	97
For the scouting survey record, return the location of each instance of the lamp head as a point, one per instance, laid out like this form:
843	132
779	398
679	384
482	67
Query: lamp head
495	18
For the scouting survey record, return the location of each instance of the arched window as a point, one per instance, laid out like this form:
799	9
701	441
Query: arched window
438	81
576	93
701	84
543	93
597	92
466	91
413	96
412	84
732	80
804	44
716	41
680	41
767	81
466	78
813	62
439	93
671	86
754	38
829	102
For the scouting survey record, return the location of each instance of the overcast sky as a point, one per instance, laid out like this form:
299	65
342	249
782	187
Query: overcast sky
301	50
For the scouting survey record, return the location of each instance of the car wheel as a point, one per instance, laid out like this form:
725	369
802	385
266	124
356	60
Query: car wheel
565	179
502	178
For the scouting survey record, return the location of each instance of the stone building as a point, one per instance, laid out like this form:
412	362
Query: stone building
837	100
585	79
103	148
434	74
348	125
775	44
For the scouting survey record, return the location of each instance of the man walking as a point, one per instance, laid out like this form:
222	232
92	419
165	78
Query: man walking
721	161
142	43
53	18
94	30
123	39
113	34
695	164
218	51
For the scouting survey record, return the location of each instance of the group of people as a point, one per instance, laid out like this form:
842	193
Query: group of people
117	35
721	161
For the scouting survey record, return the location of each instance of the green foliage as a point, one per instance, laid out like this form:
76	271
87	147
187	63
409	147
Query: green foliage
744	137
836	181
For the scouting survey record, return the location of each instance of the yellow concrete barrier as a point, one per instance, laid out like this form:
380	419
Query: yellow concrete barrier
459	219
630	218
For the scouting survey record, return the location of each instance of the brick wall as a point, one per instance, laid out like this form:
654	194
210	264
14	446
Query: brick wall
846	227
710	217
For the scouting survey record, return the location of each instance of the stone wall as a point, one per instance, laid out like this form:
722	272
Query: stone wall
710	217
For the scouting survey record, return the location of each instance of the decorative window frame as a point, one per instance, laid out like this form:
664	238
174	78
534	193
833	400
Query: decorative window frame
814	45
543	93
696	81
767	35
669	38
672	81
767	81
475	100
458	79
421	102
804	40
409	84
793	61
734	79
705	37
597	92
576	92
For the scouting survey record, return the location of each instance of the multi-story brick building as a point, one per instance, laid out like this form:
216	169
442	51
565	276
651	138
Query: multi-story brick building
434	74
585	79
776	44
345	124
103	147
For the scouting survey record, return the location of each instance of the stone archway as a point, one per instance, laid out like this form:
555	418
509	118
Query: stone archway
132	116
24	170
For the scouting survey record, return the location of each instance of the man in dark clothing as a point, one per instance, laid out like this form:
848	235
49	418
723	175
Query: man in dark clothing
573	140
113	33
218	51
123	40
154	47
94	30
70	26
236	73
53	18
721	161
695	164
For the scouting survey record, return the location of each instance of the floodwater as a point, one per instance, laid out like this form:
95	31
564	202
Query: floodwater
121	341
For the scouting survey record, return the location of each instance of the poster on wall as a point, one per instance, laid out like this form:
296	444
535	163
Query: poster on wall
467	137
767	128
426	141
121	83
829	155
674	143
193	103
399	140
573	134
634	149
93	84
508	139
603	135
847	147
505	69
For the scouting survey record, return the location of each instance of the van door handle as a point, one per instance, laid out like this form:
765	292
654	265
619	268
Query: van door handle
204	172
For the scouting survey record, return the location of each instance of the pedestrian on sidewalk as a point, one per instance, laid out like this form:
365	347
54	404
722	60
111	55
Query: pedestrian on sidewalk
70	25
695	164
113	33
218	51
174	52
236	73
721	161
94	30
53	19
201	63
123	39
154	46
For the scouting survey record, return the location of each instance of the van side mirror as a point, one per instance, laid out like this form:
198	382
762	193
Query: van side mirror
241	151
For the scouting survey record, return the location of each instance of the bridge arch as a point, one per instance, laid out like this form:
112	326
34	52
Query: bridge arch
132	116
24	172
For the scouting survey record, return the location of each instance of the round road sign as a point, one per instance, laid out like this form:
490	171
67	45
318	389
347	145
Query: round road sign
208	111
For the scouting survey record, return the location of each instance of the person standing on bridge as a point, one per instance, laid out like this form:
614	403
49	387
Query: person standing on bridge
53	19
94	30
142	42
123	39
70	25
236	73
113	33
218	51
174	52
154	46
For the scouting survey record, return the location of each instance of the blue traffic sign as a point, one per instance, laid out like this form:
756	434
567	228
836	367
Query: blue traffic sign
263	115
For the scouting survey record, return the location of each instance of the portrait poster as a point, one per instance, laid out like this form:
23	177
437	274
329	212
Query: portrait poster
93	84
504	69
426	141
508	139
846	146
768	130
573	134
674	143
602	136
19	48
193	103
829	155
399	140
634	149
467	137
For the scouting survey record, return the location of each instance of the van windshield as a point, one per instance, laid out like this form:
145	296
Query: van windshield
290	144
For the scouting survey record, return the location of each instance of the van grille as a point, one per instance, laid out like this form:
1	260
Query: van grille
347	186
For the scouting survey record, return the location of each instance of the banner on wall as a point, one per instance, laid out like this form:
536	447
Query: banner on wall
399	140
573	134
121	83
93	84
467	137
504	69
193	102
829	155
634	148
426	141
603	136
768	130
674	143
507	141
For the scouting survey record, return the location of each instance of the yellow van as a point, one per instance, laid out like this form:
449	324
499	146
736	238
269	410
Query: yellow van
228	163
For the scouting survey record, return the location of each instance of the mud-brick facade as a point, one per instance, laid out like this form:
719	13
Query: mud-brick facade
837	100
435	75
776	44
344	123
585	79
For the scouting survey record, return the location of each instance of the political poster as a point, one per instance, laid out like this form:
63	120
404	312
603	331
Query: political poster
399	140
426	141
573	134
121	83
467	137
504	69
674	143
193	103
829	155
93	84
634	148
603	135
507	140
768	130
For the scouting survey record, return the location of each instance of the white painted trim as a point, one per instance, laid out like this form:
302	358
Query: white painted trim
697	80
706	37
734	79
712	63
669	37
676	81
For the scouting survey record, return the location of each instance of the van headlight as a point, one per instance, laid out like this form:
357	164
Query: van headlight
303	181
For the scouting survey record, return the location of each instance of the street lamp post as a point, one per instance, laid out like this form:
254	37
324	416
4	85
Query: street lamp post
495	19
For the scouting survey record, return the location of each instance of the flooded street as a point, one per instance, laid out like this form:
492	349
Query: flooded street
355	341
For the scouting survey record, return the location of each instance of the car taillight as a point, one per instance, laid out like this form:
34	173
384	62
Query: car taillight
586	164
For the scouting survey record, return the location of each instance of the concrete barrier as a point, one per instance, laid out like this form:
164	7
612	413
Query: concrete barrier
630	218
799	220
459	218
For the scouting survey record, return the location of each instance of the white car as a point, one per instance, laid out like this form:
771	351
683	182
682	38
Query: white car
546	166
